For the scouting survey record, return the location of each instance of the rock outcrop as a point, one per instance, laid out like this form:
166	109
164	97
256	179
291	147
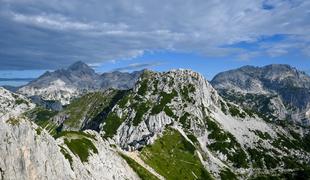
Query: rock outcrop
12	104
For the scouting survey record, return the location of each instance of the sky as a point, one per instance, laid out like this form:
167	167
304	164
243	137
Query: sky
208	36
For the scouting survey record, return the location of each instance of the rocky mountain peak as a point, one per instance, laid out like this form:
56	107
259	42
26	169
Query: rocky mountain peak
159	99
80	66
283	90
174	79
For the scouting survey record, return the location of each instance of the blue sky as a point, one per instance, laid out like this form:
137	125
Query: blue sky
208	66
208	36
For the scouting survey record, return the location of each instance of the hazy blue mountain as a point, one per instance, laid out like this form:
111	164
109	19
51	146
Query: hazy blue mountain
65	84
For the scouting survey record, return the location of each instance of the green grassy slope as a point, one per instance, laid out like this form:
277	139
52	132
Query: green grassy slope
174	157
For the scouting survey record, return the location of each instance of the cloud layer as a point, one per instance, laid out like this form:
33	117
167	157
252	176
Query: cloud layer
38	34
137	66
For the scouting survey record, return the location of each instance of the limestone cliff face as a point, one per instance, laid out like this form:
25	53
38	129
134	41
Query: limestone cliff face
26	155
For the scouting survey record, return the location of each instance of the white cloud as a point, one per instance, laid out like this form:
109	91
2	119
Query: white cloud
60	22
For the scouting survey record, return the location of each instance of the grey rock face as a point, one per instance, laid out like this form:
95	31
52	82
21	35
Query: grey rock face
26	155
286	86
47	104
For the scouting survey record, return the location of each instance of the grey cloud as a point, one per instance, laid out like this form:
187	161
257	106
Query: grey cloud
137	66
39	34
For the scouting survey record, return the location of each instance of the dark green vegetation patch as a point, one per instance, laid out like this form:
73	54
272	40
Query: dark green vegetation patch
283	142
262	135
184	120
190	88
21	101
174	157
234	111
42	117
81	147
111	125
165	99
143	88
92	107
141	109
79	143
261	159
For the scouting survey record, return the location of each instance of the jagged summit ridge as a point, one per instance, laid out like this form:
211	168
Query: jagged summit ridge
79	65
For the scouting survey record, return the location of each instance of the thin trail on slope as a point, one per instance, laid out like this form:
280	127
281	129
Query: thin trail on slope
134	155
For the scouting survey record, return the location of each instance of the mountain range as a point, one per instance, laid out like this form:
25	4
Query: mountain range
65	84
248	123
